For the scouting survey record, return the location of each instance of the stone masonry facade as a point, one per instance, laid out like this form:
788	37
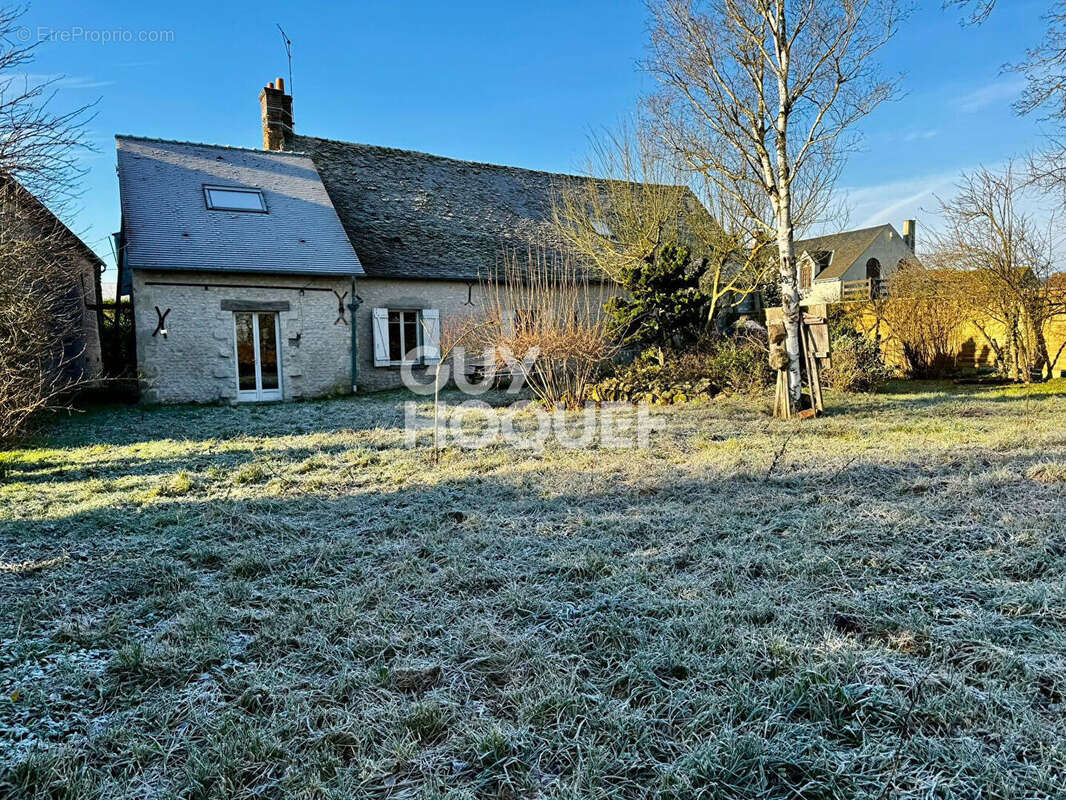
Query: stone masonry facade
196	362
90	363
448	297
453	299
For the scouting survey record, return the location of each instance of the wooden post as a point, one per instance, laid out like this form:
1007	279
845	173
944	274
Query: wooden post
814	377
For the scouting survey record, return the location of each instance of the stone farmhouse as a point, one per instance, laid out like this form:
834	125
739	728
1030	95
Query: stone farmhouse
854	264
311	266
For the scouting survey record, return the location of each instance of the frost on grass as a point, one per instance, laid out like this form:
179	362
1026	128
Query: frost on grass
284	601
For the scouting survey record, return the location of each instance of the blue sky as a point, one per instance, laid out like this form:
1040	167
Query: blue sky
507	82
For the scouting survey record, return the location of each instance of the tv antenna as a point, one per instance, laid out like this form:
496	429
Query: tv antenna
288	52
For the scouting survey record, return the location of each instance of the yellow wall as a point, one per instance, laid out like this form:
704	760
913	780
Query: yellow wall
971	347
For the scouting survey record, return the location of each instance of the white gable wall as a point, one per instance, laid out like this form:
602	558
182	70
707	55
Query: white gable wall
889	249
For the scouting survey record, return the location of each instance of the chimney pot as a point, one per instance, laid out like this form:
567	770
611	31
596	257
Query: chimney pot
276	111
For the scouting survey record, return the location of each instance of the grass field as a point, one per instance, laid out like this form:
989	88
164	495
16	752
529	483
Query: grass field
284	601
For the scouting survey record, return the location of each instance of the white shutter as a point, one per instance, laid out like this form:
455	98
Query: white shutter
430	336
507	329
380	322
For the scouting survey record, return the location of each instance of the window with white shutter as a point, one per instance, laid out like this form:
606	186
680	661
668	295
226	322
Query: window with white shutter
430	336
406	336
381	337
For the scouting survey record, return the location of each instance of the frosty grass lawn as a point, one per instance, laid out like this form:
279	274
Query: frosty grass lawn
284	601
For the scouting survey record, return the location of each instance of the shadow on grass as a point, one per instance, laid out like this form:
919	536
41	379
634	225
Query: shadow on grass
489	633
129	425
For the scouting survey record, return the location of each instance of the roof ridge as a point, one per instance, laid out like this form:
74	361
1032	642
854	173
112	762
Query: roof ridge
131	137
488	164
846	233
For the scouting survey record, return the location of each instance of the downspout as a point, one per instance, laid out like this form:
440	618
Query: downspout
354	307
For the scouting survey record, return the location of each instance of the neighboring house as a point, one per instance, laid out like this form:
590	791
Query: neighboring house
852	264
243	264
83	358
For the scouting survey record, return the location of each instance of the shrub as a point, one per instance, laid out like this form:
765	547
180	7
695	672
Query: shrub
924	310
726	363
663	304
738	363
857	365
547	306
656	378
41	300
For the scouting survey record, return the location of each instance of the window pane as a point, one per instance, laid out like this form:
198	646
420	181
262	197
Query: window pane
410	334
395	342
235	199
245	353
268	351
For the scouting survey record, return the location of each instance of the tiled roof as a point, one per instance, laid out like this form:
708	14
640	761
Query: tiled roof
415	215
52	222
846	248
167	223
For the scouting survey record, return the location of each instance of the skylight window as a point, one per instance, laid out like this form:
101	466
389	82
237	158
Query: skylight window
232	198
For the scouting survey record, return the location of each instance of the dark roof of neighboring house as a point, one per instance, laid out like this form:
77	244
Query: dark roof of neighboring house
846	248
167	224
72	239
415	215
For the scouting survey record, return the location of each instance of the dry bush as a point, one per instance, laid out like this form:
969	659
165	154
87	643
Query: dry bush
924	310
41	300
543	305
857	364
1006	258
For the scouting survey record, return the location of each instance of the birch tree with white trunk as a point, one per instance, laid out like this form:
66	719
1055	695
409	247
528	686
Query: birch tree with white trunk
760	97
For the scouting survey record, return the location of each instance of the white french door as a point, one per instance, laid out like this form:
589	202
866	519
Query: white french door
258	358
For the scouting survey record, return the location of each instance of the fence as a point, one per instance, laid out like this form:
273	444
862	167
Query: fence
869	289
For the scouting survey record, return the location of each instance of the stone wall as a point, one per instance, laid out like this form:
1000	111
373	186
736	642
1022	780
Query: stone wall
453	299
196	362
448	297
89	363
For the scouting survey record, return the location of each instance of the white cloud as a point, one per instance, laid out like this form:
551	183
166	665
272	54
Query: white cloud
999	91
897	200
920	135
61	81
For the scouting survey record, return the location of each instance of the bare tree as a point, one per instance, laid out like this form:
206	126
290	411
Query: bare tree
978	10
759	97
41	291
39	147
1044	68
638	203
42	300
1007	258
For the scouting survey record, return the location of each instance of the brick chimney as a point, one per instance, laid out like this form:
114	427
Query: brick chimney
909	226
276	107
